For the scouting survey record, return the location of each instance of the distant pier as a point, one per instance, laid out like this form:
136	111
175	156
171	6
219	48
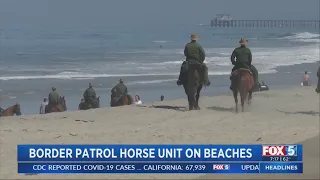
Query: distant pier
266	23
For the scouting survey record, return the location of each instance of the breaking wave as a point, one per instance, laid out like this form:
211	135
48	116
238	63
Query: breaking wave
161	41
303	37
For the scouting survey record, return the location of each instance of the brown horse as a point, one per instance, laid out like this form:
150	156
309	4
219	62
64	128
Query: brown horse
60	107
121	101
242	82
84	106
12	110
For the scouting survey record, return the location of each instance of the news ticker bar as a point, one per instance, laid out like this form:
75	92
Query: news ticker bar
162	167
164	153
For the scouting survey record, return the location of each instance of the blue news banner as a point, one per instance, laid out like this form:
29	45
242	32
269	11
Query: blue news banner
225	159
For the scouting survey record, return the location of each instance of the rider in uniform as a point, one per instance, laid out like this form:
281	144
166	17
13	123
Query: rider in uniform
195	56
242	58
53	98
119	90
90	96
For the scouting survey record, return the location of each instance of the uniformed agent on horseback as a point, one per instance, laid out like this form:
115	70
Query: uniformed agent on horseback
89	96
242	58
53	97
119	90
195	56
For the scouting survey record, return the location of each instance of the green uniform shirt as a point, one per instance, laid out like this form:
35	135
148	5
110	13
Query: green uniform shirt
90	93
120	89
53	97
194	53
243	57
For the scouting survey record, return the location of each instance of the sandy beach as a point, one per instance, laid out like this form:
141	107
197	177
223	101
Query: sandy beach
277	116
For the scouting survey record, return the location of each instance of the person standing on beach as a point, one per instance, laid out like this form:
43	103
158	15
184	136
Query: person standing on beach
306	79
53	97
43	106
161	98
90	97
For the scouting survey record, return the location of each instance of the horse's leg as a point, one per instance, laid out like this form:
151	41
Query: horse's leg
243	95
242	101
249	97
235	96
235	91
186	90
198	96
190	101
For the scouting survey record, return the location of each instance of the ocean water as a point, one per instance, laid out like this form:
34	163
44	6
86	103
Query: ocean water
147	58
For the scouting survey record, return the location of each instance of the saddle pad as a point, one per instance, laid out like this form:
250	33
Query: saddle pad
242	69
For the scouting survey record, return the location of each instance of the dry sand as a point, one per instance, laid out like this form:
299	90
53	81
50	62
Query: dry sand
282	116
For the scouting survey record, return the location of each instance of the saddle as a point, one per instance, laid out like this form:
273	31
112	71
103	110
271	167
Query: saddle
234	73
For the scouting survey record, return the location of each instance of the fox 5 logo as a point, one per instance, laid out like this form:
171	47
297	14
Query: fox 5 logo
274	150
291	150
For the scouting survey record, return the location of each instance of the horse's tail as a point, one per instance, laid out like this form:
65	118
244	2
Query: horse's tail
243	85
197	76
246	83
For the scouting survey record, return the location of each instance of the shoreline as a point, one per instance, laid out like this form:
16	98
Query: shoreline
149	93
277	117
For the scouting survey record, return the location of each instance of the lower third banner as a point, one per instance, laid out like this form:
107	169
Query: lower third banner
148	167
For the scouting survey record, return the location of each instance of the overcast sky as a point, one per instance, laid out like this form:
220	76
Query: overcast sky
146	11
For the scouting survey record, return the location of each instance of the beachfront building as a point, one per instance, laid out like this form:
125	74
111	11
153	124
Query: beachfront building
223	17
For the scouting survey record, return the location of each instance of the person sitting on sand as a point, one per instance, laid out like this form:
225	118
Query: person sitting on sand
90	97
161	98
43	106
306	79
119	90
137	100
263	87
53	97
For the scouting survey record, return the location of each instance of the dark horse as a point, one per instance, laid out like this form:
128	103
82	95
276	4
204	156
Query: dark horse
121	101
12	110
84	106
192	84
60	107
242	82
